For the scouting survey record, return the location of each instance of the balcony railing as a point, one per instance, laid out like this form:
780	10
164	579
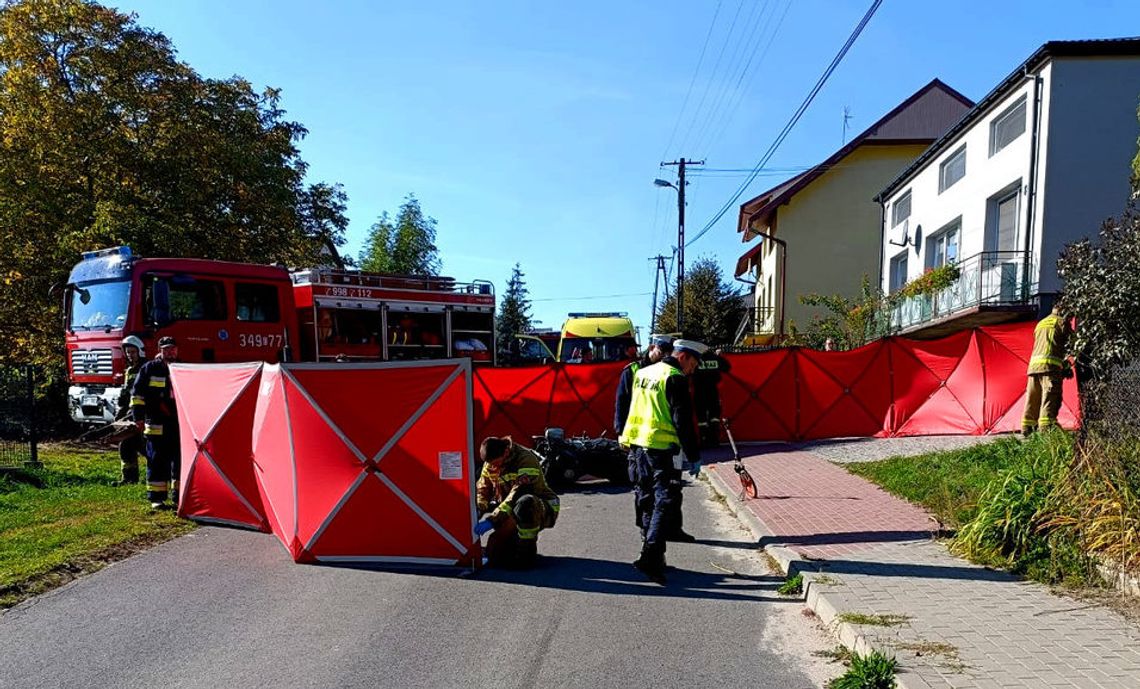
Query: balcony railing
992	278
757	320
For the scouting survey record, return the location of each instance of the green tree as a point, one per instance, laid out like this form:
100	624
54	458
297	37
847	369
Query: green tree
850	322
513	316
1102	289
713	306
106	139
405	246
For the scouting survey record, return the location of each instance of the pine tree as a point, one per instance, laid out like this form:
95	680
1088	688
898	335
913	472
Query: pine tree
405	246
514	313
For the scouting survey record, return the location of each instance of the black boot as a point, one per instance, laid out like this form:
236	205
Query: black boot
652	566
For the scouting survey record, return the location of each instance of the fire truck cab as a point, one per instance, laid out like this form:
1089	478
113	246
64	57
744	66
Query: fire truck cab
220	311
217	310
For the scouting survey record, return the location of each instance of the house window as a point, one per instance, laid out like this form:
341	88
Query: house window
1007	223
952	170
898	272
1007	126
942	248
900	211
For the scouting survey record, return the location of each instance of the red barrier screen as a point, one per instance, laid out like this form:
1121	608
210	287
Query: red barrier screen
969	383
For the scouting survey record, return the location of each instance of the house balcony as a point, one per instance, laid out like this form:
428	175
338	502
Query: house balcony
992	287
757	327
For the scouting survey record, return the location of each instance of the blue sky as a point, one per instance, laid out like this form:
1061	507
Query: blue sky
532	131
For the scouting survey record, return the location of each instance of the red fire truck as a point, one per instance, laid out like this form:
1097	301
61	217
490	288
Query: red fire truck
221	311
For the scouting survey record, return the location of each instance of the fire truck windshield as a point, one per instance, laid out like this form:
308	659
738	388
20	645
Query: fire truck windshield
101	304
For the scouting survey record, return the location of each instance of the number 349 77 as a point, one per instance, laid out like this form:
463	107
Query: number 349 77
249	340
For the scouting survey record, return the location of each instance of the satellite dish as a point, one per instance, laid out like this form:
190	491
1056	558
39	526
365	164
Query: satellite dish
917	237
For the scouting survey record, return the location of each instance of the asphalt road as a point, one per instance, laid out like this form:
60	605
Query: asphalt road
228	608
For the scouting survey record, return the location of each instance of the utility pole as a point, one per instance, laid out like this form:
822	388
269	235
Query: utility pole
657	273
681	237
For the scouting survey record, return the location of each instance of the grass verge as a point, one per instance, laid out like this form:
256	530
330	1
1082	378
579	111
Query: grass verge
65	520
1027	506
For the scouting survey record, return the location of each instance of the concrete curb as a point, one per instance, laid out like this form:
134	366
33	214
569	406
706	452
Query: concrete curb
815	596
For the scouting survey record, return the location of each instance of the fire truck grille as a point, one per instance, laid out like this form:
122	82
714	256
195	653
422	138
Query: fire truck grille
91	362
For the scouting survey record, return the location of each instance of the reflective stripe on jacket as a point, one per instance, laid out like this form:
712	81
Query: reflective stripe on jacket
650	421
1049	339
519	474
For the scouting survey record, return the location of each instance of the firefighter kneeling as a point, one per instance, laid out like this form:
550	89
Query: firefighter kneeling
515	501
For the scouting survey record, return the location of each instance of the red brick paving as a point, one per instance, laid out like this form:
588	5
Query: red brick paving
819	509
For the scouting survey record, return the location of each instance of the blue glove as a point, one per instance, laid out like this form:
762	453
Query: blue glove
694	469
483	526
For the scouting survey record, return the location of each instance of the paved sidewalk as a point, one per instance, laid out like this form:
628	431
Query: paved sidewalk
864	551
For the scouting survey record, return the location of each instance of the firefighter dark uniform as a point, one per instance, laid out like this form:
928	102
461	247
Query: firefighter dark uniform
152	402
131	446
660	422
514	496
1047	369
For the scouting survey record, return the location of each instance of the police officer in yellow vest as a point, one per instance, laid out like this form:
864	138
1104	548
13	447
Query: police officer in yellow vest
660	422
1047	369
660	346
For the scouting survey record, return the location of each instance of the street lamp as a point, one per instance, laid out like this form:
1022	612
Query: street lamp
680	246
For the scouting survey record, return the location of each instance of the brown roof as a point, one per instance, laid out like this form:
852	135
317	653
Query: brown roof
920	119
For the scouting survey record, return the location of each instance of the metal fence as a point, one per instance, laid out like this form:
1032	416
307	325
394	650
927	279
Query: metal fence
1110	404
18	418
992	278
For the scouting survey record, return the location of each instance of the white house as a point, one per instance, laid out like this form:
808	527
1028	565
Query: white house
1037	164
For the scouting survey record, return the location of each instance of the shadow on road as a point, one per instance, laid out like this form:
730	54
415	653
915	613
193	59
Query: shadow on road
620	578
905	569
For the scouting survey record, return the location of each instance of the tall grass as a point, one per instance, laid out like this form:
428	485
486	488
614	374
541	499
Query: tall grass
1016	527
1098	499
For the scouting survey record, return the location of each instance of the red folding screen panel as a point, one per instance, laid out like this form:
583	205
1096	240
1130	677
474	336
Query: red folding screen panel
367	462
972	382
216	406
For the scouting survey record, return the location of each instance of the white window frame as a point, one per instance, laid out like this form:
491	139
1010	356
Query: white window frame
1001	119
952	158
953	228
896	280
895	219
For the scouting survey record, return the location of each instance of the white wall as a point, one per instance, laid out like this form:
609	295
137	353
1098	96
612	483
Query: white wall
1092	133
1088	136
985	176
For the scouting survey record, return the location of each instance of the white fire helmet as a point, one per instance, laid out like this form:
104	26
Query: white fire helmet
132	341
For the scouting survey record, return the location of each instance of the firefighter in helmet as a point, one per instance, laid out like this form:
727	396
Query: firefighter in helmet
1047	369
515	502
132	445
153	410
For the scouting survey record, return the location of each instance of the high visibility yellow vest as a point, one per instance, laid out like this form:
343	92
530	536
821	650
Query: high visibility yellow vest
650	424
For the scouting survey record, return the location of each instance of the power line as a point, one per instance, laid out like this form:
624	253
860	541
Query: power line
712	76
734	105
792	122
749	29
692	82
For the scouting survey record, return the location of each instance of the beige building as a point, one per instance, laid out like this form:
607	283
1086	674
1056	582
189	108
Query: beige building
819	231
